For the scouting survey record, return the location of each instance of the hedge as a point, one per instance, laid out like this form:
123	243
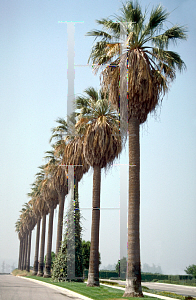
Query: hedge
145	276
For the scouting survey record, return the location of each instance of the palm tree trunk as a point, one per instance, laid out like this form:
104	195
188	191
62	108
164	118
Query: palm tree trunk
19	259
93	275
25	251
133	279
47	271
28	252
35	266
22	254
60	221
41	258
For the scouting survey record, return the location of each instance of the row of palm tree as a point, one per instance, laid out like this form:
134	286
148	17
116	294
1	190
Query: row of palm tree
137	68
100	120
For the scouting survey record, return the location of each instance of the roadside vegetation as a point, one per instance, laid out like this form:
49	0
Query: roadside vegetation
17	272
103	292
152	291
189	282
95	293
166	294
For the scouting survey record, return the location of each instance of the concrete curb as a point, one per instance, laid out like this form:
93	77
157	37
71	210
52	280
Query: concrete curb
58	288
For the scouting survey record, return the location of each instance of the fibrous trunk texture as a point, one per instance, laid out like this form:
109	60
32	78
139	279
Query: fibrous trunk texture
60	221
25	252
47	271
35	266
93	274
42	246
19	259
22	253
28	252
133	280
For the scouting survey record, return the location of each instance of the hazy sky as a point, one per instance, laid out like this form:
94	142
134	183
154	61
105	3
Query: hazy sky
33	93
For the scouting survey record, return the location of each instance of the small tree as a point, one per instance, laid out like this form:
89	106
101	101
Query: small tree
121	266
191	270
86	254
52	259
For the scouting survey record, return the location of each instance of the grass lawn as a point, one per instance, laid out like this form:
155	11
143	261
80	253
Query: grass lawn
96	293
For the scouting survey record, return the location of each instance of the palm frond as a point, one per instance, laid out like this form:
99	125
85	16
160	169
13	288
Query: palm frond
92	93
157	17
112	26
171	58
99	33
131	12
173	34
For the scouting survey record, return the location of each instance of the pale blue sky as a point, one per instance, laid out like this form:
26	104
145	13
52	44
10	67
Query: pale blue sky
33	94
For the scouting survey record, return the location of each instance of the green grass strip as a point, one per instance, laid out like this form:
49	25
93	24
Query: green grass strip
96	293
179	282
166	294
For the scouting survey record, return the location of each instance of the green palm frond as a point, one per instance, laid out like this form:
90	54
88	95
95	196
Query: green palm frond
98	54
158	16
92	93
173	34
131	12
169	58
99	33
113	27
59	132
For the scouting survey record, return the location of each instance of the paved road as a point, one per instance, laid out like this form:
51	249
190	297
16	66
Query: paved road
15	288
177	289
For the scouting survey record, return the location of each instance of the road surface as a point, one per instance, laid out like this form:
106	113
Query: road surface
173	288
16	288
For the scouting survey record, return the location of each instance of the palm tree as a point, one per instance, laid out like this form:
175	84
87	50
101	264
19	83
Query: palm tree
35	202
102	144
25	230
21	229
67	150
58	181
31	222
41	209
59	173
73	157
18	230
149	67
51	197
22	234
44	211
27	223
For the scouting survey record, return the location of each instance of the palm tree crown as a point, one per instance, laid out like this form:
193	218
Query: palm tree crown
99	122
150	65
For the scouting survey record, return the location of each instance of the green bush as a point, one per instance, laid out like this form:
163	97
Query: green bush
191	270
103	274
63	261
151	277
59	272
